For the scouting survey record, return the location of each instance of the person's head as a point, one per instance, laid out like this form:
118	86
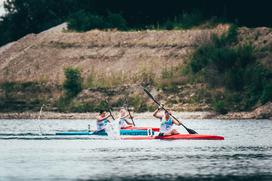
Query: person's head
167	113
102	112
122	112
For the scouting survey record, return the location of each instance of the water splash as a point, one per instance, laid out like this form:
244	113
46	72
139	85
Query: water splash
39	118
113	130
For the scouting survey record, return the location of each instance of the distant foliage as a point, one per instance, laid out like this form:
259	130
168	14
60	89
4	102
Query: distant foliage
84	21
73	82
114	20
184	21
219	106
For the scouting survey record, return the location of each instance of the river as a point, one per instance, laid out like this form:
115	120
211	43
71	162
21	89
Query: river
25	154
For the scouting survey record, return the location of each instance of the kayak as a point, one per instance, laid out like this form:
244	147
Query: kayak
177	137
122	132
141	128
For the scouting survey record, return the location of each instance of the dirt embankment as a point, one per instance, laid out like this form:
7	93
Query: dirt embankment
105	57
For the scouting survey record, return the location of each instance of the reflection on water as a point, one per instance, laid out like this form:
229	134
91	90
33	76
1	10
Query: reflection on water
245	154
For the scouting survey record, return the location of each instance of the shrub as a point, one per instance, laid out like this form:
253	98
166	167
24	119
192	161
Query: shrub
266	93
138	103
84	21
114	20
8	87
219	107
73	82
103	105
82	107
63	103
189	20
184	21
221	64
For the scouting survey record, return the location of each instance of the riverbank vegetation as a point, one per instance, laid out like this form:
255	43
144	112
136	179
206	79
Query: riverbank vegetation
233	69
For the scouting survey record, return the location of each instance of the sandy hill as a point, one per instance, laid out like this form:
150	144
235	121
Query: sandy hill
110	56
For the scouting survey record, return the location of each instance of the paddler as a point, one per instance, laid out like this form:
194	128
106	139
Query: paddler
123	122
102	121
166	122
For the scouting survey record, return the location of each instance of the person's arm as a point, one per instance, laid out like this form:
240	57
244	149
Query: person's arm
176	122
129	123
123	117
156	115
107	117
100	118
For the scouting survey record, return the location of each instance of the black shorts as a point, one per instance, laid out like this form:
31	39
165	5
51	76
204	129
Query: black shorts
161	134
101	131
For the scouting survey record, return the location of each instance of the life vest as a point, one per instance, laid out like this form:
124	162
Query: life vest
101	125
122	123
166	125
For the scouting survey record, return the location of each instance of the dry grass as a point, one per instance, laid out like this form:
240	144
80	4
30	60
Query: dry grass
105	58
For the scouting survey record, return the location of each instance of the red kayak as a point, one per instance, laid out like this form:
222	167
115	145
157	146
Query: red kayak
141	128
177	137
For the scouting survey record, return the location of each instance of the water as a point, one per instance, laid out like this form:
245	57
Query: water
245	154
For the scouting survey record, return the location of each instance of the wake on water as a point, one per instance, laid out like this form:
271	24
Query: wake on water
113	130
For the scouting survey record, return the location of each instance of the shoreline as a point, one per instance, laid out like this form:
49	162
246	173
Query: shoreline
145	115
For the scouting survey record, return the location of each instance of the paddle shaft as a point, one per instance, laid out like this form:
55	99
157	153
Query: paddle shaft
111	115
150	95
131	117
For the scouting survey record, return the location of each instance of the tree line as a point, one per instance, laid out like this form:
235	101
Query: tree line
33	16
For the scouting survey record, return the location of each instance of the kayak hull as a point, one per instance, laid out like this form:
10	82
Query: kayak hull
141	128
122	132
176	137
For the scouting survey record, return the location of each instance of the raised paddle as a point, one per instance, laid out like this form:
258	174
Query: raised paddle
131	117
111	115
129	113
190	131
109	109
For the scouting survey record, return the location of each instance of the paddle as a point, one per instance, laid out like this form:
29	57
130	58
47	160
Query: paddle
129	113
190	131
109	109
111	115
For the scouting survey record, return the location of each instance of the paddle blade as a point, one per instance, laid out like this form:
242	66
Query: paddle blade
190	131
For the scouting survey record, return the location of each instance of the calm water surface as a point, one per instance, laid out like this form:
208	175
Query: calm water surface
245	154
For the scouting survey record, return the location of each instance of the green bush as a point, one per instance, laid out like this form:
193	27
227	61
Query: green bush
189	20
222	63
114	20
82	107
103	105
219	107
73	82
8	87
138	103
266	93
84	21
63	103
184	21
